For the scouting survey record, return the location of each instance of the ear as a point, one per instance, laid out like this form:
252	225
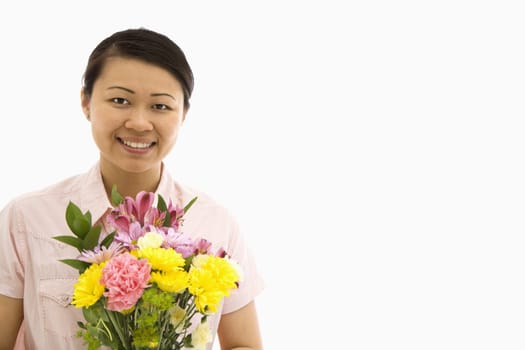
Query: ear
84	102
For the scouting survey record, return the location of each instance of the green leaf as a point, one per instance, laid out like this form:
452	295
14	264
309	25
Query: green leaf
167	219
116	197
80	265
188	206
72	213
161	205
187	262
78	223
81	226
92	313
70	240
107	241
91	239
187	341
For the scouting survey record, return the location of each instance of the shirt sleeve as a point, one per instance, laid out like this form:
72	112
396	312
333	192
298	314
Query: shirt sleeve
12	243
252	282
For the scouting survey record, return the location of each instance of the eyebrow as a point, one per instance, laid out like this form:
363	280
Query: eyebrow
132	92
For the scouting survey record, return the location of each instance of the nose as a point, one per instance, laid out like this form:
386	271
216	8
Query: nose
139	120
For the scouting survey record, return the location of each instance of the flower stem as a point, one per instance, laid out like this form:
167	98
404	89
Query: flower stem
118	328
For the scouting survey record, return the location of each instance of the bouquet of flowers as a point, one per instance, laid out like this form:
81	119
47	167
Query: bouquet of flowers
145	285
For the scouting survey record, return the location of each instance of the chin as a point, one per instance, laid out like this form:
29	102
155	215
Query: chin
137	167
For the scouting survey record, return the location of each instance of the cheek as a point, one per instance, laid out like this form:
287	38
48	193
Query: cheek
169	129
104	121
170	134
103	129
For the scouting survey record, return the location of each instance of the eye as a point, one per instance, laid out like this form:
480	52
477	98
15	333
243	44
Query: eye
120	101
161	107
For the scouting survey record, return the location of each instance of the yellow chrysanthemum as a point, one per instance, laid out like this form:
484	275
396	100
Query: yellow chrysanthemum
211	281
88	289
170	281
162	259
207	300
226	274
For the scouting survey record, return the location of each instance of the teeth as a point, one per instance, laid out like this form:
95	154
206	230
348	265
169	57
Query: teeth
136	144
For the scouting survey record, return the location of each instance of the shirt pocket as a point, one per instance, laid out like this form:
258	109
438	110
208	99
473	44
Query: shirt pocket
58	315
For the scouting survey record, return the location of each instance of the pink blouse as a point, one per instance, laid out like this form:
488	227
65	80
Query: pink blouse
29	256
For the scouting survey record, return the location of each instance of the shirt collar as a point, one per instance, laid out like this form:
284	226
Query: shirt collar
93	193
168	189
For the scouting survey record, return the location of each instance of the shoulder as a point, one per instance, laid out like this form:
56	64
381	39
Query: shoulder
207	217
182	193
53	192
36	210
204	203
49	199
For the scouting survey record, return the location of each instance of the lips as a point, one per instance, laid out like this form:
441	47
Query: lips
136	144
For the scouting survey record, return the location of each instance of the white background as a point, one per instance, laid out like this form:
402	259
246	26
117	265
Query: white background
372	151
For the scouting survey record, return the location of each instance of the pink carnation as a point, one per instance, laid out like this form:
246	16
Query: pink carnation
125	278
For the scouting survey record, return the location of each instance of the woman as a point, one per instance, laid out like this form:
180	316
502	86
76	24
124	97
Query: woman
136	91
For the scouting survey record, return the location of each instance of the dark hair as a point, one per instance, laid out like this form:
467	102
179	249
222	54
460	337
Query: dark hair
142	44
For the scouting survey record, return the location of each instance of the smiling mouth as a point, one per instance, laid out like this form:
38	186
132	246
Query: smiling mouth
136	145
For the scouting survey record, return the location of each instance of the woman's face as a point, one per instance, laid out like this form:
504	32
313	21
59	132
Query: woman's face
136	110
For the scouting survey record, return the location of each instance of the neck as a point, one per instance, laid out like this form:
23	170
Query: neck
130	183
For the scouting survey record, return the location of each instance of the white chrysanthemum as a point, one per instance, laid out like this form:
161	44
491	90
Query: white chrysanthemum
150	240
177	315
201	336
237	268
199	260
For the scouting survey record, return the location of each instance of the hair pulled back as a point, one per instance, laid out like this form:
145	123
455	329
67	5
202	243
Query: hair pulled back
145	45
